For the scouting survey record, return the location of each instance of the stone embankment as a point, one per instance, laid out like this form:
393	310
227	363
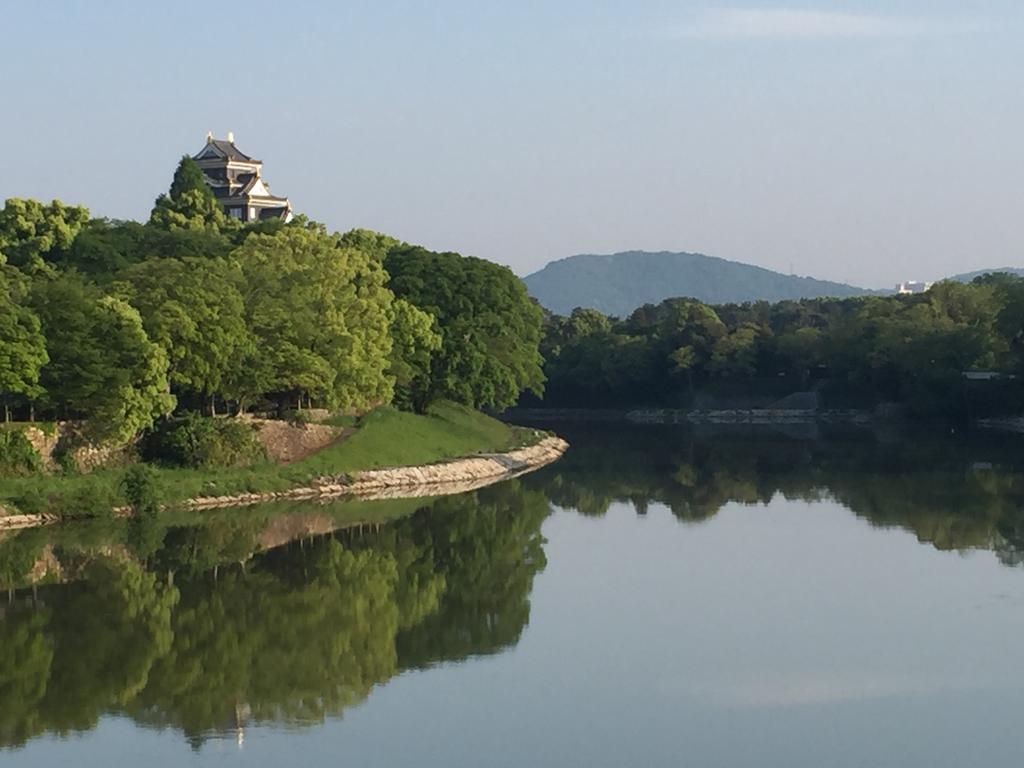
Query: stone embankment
14	522
287	443
446	477
443	478
63	437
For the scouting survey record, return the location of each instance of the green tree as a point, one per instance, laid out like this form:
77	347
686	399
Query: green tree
190	203
22	345
33	233
102	365
491	328
684	332
560	332
104	247
735	353
321	316
800	350
194	310
369	242
415	340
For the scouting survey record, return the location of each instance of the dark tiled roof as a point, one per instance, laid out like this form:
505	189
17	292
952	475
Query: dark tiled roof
273	213
227	149
247	184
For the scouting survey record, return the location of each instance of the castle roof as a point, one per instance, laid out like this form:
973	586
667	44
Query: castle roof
222	149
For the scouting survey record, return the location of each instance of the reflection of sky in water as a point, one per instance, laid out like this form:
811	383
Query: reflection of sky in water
788	634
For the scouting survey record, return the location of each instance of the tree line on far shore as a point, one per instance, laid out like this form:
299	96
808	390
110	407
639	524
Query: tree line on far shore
924	350
118	323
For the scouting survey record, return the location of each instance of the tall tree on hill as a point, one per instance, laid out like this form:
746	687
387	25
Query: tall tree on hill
415	340
102	365
190	203
104	247
193	309
320	313
491	328
22	345
34	233
372	243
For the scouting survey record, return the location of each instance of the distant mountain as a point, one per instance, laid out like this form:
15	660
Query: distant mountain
617	284
967	277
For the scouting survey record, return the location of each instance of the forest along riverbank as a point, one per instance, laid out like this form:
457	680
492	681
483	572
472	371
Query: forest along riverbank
435	479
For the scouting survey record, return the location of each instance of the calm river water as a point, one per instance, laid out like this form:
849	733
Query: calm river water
657	598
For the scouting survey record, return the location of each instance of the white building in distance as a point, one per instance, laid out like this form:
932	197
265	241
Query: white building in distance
913	286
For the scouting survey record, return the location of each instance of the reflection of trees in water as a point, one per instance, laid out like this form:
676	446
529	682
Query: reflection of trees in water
489	553
951	494
295	634
193	628
81	650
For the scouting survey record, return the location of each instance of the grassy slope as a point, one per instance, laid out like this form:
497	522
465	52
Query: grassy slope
385	438
389	438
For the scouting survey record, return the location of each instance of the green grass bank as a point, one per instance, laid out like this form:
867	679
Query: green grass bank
383	438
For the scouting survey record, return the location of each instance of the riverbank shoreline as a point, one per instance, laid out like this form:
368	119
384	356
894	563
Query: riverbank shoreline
684	416
441	478
745	416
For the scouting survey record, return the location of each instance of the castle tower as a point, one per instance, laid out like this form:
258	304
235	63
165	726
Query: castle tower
237	183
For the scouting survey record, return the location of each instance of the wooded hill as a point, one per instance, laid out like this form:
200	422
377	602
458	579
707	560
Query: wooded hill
617	284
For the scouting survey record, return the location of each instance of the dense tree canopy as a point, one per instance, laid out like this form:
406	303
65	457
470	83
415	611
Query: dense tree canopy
102	364
415	341
321	316
33	233
860	351
190	203
491	327
106	320
22	344
194	310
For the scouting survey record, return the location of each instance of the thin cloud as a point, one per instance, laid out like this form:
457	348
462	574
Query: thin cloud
797	24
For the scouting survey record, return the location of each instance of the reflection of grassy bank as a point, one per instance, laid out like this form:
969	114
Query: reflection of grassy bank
384	437
216	537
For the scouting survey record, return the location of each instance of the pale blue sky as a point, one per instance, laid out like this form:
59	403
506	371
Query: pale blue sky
862	141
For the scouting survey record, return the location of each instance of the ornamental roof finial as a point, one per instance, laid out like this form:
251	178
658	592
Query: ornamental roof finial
209	137
231	137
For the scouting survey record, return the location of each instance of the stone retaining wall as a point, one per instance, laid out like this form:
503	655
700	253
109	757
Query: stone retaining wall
452	476
442	478
286	443
44	445
86	457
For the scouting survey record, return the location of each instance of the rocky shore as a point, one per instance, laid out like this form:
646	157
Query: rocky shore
445	477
